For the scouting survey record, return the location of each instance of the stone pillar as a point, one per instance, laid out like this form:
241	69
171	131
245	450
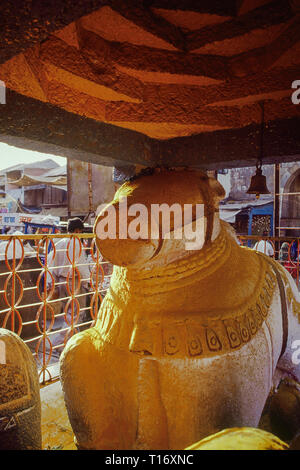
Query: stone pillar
20	404
276	219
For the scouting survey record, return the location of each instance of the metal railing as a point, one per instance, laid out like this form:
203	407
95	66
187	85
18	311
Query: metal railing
286	250
51	287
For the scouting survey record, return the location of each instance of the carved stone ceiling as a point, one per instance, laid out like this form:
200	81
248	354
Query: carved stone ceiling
165	69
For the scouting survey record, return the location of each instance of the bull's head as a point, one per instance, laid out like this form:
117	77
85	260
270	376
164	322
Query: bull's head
132	231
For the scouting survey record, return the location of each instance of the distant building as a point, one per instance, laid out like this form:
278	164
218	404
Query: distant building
45	188
246	209
31	187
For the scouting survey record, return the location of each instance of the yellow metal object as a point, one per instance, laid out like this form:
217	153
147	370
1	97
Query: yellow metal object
240	439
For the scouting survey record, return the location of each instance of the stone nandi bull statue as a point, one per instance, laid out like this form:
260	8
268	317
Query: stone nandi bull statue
186	343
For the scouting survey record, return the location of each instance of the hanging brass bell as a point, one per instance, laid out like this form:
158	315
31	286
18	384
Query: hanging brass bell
258	184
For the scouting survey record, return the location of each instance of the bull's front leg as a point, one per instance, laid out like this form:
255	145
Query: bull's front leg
100	390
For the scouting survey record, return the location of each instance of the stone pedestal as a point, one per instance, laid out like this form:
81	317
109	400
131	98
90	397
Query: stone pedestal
20	405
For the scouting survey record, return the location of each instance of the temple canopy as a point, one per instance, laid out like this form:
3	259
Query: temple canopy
29	180
174	83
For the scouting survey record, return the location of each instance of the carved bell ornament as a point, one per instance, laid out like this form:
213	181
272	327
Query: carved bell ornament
258	184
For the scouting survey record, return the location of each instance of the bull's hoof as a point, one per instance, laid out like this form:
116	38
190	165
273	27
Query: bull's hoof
284	411
20	404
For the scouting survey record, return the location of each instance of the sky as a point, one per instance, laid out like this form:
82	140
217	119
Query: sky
10	156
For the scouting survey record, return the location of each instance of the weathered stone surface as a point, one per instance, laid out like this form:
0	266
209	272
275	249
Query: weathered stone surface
162	71
236	148
202	325
50	129
56	429
90	140
20	405
24	23
259	18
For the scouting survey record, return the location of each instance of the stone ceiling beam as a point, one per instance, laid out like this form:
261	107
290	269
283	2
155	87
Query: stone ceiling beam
232	148
243	6
62	77
32	58
25	23
29	123
103	78
213	7
244	89
147	20
262	58
217	67
261	18
158	91
221	117
150	59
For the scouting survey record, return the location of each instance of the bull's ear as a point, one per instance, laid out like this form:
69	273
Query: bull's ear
217	188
